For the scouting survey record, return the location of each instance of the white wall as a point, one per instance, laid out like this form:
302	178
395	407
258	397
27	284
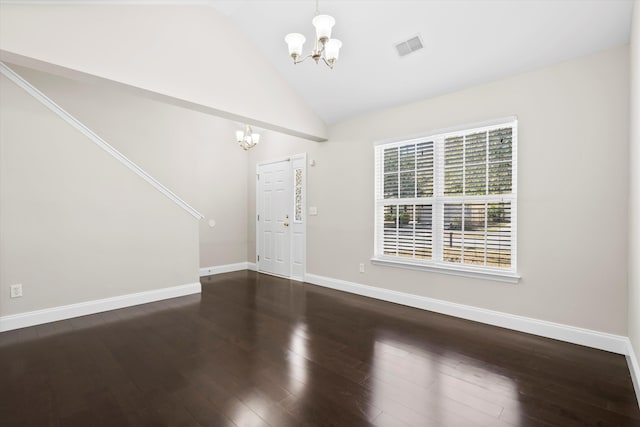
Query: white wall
77	225
192	153
190	53
573	183
634	190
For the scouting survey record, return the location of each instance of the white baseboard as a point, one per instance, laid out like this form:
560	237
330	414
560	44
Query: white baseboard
634	369
226	268
252	266
38	317
600	340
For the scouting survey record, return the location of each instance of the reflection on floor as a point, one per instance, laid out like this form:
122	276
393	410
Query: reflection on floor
255	350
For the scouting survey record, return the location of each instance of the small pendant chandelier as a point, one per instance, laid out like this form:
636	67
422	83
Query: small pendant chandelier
325	47
247	138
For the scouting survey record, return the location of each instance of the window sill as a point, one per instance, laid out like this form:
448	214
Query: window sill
501	276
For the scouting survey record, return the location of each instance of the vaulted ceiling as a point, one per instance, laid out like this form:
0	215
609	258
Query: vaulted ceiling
466	42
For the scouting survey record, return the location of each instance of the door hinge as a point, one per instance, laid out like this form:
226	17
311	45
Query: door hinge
258	175
258	217
258	257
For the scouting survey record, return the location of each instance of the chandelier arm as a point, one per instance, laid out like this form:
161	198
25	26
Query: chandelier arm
330	65
297	61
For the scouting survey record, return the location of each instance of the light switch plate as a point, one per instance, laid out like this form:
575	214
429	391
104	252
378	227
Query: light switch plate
313	210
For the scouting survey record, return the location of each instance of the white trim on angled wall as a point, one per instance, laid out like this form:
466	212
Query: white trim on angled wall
93	137
600	340
54	314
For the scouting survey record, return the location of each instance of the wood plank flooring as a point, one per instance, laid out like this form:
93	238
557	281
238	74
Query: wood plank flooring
255	350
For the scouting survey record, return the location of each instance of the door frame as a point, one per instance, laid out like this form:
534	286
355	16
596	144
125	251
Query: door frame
297	273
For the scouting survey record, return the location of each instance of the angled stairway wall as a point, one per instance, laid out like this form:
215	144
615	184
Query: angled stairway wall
192	153
76	225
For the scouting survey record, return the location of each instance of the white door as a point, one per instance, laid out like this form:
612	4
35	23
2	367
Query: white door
273	222
281	212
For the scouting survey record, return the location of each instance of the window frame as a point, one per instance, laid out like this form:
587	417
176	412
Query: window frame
438	200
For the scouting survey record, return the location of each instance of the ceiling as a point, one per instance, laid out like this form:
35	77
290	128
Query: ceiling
467	42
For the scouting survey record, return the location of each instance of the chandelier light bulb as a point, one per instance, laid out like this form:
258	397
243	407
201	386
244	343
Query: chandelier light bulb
332	49
295	41
323	24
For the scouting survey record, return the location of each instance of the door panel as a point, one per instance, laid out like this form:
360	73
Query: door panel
273	222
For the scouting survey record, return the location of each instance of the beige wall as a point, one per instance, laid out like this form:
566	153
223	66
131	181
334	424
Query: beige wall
573	175
192	153
187	52
634	191
573	183
76	225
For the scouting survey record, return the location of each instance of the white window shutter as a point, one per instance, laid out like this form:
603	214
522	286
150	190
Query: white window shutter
449	199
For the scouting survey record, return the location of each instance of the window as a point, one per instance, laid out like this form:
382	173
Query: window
448	201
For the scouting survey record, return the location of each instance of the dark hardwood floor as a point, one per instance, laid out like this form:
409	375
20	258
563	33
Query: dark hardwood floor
255	350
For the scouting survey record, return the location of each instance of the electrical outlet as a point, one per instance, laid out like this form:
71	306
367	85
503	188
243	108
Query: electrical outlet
16	291
361	268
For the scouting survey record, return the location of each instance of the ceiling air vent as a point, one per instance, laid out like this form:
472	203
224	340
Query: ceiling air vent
406	47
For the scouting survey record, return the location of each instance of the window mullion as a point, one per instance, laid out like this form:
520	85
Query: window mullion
414	231
486	165
486	203
398	172
464	193
437	224
464	165
486	231
398	227
415	173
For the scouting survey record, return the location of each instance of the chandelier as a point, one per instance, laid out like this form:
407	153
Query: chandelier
325	47
247	138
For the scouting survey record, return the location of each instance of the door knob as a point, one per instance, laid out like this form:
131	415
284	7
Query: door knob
286	224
